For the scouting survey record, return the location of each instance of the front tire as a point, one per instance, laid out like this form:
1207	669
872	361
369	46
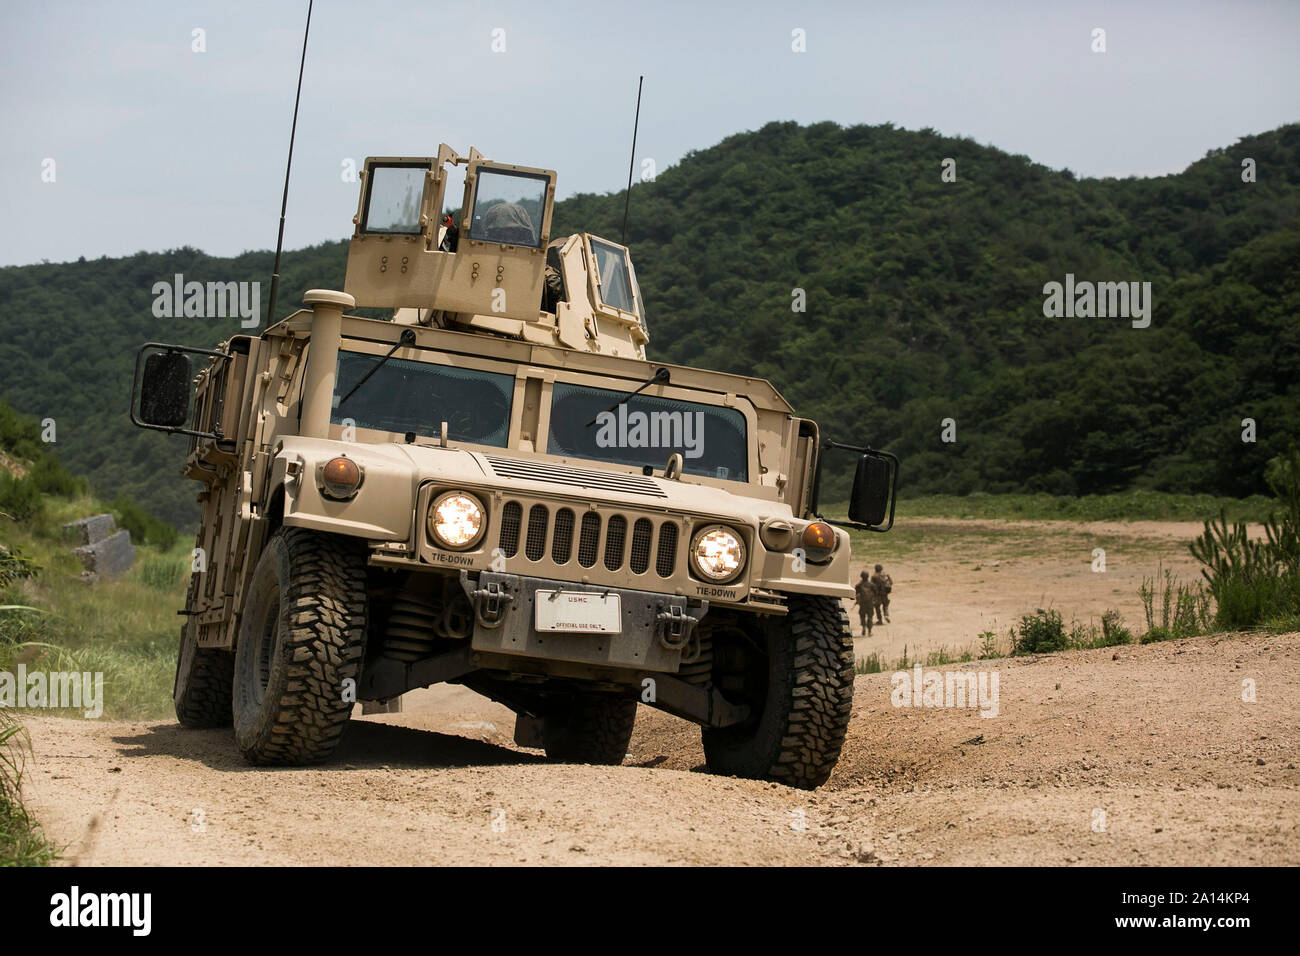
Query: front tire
801	689
302	636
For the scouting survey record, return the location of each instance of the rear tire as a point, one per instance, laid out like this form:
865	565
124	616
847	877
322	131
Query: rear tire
803	714
202	689
589	728
303	634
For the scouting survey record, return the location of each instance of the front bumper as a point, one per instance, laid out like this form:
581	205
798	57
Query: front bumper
657	629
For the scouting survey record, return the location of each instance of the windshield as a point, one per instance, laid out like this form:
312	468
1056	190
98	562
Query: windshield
645	430
394	197
615	282
508	208
405	396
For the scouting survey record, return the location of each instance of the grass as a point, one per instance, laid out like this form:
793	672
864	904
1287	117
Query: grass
53	620
960	543
1126	506
871	664
21	841
1253	583
942	655
1043	632
874	664
1256	582
165	572
127	628
1174	610
966	542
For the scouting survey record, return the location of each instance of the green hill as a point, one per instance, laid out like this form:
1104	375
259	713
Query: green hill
924	301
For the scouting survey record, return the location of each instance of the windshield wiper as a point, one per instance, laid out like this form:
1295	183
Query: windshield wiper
660	375
408	338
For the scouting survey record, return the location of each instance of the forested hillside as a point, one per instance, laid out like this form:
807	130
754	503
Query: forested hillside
924	301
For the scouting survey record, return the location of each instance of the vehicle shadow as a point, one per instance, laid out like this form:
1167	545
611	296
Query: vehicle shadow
366	745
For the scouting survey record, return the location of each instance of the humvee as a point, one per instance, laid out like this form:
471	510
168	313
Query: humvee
490	485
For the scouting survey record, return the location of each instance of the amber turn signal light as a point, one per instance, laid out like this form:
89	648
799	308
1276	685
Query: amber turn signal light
818	540
340	478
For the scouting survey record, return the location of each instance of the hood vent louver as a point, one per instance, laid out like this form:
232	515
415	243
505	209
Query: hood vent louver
576	477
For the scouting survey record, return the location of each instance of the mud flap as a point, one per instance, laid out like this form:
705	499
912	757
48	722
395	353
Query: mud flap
528	732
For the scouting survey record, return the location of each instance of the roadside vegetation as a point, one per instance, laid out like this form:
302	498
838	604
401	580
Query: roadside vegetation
51	619
1122	506
1248	583
1256	582
126	629
21	841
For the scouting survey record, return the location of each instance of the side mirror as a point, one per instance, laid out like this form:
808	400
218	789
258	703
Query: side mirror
871	503
164	381
165	389
872	498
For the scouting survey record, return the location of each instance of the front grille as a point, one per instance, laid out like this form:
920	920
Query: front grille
562	546
666	560
641	532
535	546
511	515
588	539
615	536
607	540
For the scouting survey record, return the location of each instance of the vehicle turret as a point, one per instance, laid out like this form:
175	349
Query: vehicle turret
495	270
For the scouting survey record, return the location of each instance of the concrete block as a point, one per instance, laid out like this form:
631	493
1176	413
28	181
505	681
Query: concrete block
110	557
86	531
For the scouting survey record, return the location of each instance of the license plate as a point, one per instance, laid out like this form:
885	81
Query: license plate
580	611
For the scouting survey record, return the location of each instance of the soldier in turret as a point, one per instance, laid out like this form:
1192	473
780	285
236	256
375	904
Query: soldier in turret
509	222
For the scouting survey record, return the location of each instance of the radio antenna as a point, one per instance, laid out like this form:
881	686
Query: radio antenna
632	162
284	202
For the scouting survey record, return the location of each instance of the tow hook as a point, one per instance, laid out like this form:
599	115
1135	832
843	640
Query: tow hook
675	626
490	604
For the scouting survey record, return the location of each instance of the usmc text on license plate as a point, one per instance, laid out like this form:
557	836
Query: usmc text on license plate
585	611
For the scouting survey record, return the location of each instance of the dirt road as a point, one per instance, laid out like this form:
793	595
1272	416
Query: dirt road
1140	755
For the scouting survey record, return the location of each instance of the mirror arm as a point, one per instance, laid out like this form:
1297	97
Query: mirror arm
135	387
861	450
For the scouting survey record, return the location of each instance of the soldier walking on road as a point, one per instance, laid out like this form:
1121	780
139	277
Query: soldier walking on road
865	600
881	585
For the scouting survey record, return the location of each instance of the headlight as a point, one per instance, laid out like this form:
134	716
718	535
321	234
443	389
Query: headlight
456	520
718	553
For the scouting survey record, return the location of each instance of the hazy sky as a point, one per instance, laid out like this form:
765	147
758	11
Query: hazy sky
157	146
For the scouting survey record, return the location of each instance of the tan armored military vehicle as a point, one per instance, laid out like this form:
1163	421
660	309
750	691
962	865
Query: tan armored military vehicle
493	487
